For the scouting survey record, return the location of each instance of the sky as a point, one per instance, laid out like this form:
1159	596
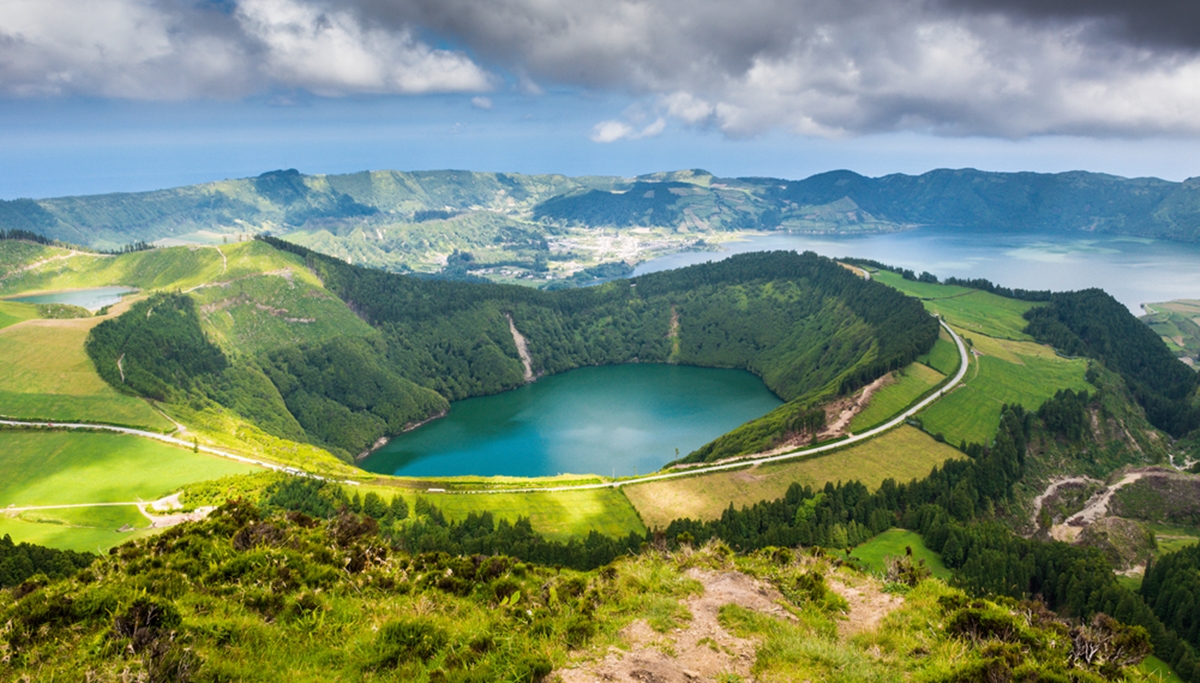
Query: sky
126	95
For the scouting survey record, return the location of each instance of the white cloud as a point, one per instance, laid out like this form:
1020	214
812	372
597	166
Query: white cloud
480	102
331	52
613	130
168	49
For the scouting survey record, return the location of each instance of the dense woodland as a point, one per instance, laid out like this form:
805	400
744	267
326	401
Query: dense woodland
1172	588
21	561
808	327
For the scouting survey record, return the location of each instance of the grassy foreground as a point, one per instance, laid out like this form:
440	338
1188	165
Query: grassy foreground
248	597
902	454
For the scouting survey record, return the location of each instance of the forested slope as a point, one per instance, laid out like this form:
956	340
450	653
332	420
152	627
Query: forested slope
808	327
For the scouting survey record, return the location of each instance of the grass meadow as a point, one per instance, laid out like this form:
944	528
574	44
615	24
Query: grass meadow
943	357
93	529
46	374
971	309
71	467
910	383
894	542
13	312
903	454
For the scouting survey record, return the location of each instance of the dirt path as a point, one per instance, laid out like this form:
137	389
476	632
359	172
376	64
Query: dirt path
868	605
1097	507
522	349
701	651
170	505
1051	489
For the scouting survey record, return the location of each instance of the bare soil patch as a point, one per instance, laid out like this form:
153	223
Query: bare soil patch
700	652
868	604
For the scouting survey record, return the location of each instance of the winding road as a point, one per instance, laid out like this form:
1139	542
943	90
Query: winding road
964	364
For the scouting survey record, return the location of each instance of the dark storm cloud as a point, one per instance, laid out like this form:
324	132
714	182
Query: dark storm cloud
1166	24
815	67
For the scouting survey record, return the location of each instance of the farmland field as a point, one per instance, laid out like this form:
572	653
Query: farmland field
93	529
908	386
943	357
971	309
901	454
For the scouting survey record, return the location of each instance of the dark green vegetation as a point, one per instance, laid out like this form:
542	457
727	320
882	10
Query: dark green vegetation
1093	324
808	327
1172	588
20	561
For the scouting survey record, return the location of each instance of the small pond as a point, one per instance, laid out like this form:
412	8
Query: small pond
92	299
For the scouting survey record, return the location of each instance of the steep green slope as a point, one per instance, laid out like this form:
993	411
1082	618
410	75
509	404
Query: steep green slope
808	327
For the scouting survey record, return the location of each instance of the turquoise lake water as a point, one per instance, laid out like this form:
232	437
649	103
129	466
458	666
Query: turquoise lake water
622	420
91	299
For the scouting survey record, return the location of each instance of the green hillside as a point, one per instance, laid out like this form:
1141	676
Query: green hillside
277	343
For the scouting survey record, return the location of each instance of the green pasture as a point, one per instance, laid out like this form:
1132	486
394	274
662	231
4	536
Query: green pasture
46	374
894	542
971	309
91	529
1158	671
70	467
1170	537
166	268
903	454
943	357
558	515
13	312
985	313
971	412
921	290
910	383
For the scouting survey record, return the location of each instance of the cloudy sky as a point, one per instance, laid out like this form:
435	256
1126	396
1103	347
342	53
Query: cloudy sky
102	95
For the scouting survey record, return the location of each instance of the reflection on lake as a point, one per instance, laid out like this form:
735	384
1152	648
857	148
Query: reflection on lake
1134	270
91	299
621	419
